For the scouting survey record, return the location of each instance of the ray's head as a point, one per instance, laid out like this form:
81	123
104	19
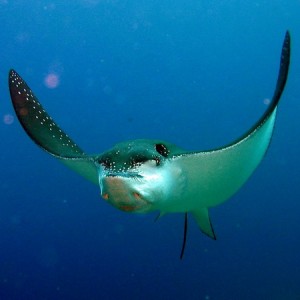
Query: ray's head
135	176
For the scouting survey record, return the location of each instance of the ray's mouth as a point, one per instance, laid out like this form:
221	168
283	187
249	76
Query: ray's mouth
128	203
129	208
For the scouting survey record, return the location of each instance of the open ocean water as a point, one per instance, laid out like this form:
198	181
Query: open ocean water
194	73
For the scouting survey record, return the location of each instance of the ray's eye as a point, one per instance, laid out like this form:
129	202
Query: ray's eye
162	149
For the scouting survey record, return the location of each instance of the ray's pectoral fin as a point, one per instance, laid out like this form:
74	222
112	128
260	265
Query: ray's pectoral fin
41	128
215	175
201	216
37	123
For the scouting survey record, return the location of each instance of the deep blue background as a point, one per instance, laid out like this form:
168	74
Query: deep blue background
194	73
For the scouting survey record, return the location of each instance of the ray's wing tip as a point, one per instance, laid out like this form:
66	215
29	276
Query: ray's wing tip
12	72
287	41
286	49
12	76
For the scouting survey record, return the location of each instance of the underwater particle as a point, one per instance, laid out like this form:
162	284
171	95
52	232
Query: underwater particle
267	101
15	220
90	3
48	257
22	37
51	81
107	90
8	119
49	7
119	228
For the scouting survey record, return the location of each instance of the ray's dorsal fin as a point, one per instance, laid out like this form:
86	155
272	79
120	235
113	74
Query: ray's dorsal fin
41	128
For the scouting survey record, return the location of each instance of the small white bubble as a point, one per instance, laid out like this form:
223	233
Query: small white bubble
51	81
8	119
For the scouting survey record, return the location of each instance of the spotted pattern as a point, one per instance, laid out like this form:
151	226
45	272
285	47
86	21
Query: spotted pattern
129	156
37	123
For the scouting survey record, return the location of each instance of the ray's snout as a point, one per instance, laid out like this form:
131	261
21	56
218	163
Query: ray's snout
120	192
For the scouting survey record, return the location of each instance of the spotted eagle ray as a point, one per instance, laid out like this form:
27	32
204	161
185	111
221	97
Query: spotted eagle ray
153	175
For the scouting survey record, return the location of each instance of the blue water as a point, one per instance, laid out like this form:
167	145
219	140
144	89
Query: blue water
194	73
